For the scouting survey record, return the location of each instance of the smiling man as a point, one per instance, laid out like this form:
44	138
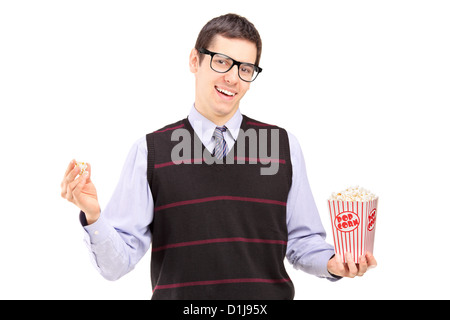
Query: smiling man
217	230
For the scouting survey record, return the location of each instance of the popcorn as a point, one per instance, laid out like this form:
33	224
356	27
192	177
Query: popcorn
353	214
354	193
82	165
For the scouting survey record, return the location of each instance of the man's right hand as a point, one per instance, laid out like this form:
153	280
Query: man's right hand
81	191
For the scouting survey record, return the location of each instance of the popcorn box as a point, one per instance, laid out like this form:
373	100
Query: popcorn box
353	225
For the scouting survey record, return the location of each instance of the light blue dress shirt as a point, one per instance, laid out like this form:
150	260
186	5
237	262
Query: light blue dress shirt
121	236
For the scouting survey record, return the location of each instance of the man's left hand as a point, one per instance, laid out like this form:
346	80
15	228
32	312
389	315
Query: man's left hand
351	269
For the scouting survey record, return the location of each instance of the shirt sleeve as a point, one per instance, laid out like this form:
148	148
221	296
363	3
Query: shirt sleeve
307	249
121	236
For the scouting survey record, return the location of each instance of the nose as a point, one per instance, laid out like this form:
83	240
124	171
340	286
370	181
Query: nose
232	76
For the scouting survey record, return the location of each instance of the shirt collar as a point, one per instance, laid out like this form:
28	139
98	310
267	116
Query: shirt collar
204	128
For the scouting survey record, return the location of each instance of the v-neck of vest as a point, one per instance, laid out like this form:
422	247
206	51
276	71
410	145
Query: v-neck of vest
244	127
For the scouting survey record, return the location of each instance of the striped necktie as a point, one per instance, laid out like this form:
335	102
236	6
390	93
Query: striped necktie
220	148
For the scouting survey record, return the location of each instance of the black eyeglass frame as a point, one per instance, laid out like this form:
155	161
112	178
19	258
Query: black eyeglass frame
235	63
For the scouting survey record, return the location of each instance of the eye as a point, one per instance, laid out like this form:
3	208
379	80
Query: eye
247	69
221	59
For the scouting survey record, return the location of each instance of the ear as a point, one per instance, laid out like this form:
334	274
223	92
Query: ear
194	61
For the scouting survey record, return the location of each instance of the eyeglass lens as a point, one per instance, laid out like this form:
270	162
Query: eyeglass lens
222	63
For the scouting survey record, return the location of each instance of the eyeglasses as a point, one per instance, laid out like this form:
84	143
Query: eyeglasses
221	63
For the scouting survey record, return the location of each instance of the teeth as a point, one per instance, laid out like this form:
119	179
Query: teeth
228	93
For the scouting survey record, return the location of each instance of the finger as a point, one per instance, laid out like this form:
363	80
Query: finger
78	187
69	167
371	261
352	269
340	266
71	187
88	169
64	181
362	266
72	175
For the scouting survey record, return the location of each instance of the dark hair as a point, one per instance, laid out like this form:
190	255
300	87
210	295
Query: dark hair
230	26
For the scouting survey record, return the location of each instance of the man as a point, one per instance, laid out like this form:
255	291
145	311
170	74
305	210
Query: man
220	229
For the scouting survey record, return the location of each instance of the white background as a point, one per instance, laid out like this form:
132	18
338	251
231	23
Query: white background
363	85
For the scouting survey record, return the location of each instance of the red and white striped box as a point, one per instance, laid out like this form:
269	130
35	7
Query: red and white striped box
353	225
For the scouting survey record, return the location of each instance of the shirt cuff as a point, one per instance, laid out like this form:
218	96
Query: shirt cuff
98	231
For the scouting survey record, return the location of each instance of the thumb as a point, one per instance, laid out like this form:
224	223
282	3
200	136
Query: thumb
88	171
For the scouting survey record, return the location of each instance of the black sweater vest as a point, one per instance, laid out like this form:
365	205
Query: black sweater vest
219	230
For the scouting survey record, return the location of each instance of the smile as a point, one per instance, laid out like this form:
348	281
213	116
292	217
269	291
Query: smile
226	92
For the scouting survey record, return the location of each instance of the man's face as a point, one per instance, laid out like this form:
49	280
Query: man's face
218	106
